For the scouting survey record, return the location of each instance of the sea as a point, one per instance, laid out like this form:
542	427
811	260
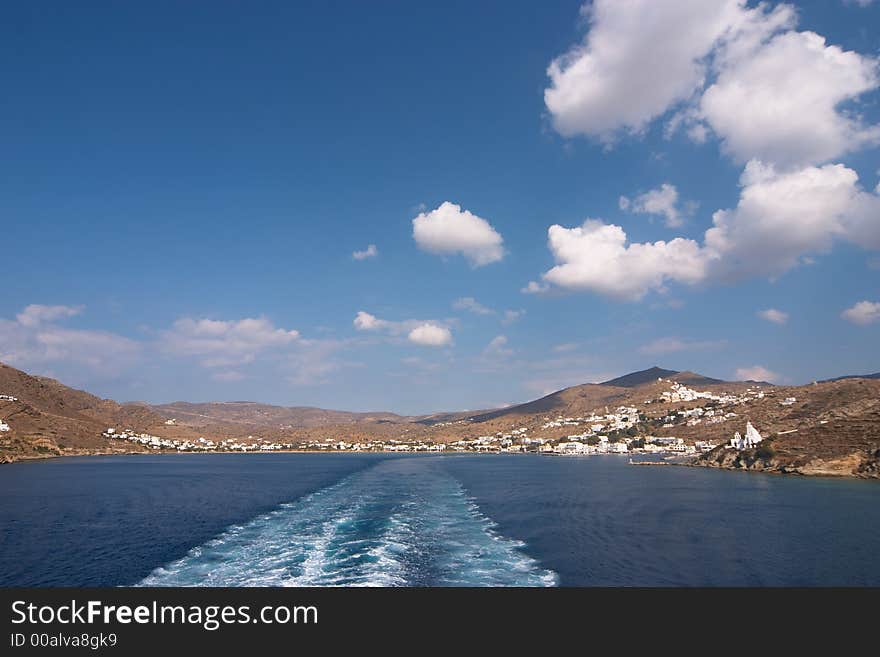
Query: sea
427	520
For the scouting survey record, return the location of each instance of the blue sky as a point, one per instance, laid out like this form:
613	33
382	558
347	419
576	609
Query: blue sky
184	185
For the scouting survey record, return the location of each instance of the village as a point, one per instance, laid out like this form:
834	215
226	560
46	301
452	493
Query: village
618	431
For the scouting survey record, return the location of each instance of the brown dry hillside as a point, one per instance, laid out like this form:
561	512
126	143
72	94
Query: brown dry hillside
264	415
832	429
50	418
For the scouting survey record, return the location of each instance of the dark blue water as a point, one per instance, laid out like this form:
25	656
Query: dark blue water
309	519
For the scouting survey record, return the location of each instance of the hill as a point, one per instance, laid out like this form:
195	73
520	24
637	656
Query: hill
875	375
830	429
635	379
47	418
255	414
825	428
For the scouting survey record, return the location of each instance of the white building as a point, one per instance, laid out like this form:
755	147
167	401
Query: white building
751	439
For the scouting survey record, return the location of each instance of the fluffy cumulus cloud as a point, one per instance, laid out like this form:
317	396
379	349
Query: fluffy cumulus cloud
364	321
225	343
430	335
638	58
863	313
756	373
449	230
781	102
596	257
36	341
370	252
773	315
662	201
780	219
742	73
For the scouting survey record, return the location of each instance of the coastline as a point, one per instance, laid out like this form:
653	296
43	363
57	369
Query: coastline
696	462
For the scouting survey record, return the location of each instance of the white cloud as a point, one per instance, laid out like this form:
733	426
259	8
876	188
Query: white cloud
638	59
773	315
497	347
662	201
34	341
780	219
364	321
756	373
766	90
511	316
449	230
220	343
595	257
863	313
370	252
472	305
534	287
430	335
781	102
36	314
671	345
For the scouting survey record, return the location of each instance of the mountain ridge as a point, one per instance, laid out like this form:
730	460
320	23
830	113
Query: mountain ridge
830	427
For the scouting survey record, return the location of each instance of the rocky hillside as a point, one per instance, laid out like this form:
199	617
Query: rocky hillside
828	428
832	429
47	418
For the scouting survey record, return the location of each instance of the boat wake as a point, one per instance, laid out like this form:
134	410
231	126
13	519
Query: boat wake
402	522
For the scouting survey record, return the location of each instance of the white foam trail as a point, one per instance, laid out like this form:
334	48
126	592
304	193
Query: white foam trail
402	522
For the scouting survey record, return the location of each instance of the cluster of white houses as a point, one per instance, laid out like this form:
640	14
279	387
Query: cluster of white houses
4	427
607	433
503	443
681	393
623	417
199	445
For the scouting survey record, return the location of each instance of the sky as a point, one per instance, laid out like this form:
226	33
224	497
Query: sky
432	206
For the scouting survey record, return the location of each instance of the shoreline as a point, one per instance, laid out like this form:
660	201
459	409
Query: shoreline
689	463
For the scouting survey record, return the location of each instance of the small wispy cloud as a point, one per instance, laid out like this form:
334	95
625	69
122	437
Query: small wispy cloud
670	345
756	373
472	305
773	315
370	252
